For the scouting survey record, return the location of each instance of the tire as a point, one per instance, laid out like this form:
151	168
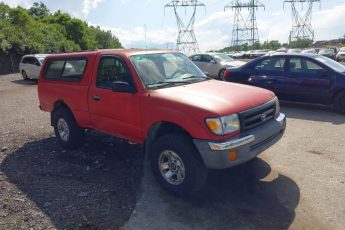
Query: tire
24	75
221	74
69	135
339	102
184	160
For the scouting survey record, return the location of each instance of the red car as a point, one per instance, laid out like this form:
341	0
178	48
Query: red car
186	121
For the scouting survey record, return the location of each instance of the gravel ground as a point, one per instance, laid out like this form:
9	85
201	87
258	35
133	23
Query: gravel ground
44	187
296	184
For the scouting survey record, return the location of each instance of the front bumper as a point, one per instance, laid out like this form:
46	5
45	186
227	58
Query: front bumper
247	145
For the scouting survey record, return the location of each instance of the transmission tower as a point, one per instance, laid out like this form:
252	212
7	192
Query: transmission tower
301	20
245	30
186	40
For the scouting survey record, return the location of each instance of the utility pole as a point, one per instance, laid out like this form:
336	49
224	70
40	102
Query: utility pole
245	30
186	40
301	21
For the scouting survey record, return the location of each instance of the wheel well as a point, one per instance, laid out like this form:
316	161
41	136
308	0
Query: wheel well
58	105
160	129
221	71
337	93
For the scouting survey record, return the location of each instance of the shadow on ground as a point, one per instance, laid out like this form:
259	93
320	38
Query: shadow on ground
25	82
92	188
312	113
249	196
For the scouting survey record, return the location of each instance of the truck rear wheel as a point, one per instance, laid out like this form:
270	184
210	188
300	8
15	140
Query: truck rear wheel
67	131
339	102
177	164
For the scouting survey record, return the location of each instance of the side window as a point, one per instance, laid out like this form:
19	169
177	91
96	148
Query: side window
111	69
196	58
271	64
65	69
207	58
74	68
36	62
25	60
313	67
295	65
54	69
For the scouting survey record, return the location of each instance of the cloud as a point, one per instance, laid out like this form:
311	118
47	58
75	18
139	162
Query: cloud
89	5
15	3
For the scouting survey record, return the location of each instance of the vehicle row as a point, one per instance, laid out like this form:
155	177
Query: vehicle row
333	53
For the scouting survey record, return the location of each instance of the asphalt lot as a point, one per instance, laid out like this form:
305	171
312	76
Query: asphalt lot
297	184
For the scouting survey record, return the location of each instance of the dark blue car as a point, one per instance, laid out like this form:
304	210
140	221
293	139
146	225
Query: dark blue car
308	78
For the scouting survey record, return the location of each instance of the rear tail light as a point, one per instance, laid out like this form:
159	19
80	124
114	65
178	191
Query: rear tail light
226	74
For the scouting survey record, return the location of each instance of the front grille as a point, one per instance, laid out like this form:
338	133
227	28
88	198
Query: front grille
257	116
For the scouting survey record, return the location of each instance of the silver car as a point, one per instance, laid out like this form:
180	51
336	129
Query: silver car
341	54
214	64
30	65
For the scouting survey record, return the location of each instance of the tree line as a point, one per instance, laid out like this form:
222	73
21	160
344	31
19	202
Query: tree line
37	30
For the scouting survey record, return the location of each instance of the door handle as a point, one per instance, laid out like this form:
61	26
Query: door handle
96	98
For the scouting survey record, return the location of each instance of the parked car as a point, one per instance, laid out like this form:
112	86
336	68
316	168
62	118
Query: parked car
328	53
281	50
309	51
258	53
30	65
214	63
296	77
294	51
187	123
341	54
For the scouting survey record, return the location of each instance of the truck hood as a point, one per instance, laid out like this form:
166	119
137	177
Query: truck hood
219	97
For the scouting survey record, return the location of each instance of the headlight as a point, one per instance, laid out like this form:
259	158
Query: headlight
223	125
277	106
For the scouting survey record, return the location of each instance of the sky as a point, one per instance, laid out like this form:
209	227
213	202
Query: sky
129	19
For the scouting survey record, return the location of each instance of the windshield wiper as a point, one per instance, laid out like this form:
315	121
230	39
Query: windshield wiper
195	77
166	83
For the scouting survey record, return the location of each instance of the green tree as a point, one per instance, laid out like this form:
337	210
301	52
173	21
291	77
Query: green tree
39	10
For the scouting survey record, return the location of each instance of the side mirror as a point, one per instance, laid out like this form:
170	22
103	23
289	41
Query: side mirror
213	61
123	87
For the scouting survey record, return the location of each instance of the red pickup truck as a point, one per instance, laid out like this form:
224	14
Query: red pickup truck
187	122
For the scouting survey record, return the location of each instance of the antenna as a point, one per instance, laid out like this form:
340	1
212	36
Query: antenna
186	40
301	23
245	30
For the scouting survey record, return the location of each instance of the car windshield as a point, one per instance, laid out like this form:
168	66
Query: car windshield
331	63
166	69
222	57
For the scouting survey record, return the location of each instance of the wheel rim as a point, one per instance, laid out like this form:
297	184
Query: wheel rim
63	129
171	167
24	75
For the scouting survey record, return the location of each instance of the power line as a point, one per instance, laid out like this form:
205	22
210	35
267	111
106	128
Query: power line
301	19
186	40
245	30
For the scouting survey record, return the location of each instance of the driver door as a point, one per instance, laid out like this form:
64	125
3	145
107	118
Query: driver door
116	113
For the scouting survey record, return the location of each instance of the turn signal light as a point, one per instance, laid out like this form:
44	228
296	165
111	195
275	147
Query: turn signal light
232	155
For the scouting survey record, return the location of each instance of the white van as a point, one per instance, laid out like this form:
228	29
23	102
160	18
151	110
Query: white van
30	65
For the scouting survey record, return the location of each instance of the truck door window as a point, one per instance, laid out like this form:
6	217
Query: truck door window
111	69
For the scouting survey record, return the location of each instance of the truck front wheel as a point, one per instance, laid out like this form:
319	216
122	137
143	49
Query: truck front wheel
177	165
67	131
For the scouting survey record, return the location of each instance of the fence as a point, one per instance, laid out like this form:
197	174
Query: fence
9	63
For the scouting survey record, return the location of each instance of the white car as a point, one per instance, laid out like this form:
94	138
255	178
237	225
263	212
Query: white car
30	65
215	64
341	55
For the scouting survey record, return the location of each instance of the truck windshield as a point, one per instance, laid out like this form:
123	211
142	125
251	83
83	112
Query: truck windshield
166	69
